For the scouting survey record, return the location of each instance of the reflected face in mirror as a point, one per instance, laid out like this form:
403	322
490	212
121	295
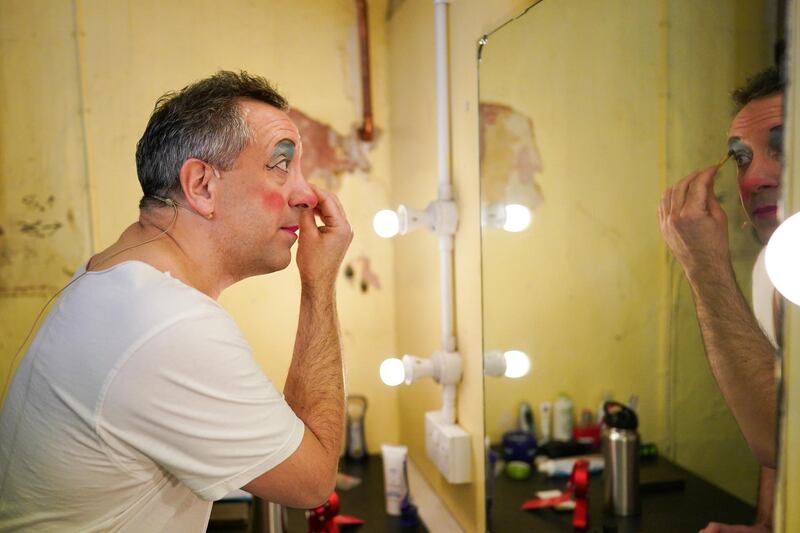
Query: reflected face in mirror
755	141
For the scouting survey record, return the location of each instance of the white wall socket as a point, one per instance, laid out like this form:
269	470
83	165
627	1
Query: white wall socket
449	446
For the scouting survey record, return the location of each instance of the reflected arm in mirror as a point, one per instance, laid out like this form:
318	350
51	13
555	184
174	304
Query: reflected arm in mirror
741	357
766	498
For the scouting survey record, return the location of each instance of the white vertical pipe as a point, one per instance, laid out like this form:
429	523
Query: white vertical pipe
445	193
442	99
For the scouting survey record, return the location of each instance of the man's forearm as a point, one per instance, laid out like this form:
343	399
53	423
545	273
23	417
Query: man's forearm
741	358
315	384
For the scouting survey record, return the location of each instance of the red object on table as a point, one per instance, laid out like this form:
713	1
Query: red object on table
588	434
326	517
577	489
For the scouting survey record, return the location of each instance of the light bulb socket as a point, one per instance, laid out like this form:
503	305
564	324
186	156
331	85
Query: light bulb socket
494	363
493	215
443	367
440	217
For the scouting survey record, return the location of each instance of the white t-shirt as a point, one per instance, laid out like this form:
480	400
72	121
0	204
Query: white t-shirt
137	404
763	297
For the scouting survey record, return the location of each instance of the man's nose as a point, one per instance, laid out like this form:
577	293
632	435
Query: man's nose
302	196
762	173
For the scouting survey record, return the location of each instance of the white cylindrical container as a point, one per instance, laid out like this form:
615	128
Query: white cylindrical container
562	418
394	476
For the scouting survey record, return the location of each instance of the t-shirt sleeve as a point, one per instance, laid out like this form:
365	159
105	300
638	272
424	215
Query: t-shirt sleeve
192	399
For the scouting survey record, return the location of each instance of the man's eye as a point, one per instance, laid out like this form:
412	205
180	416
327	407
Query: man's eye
282	165
741	160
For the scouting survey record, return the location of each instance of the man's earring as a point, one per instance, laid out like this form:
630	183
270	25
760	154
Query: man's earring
210	215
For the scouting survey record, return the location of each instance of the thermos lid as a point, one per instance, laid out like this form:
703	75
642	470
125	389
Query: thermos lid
619	416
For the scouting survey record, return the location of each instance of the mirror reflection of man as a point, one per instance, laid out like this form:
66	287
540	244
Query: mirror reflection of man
740	345
139	401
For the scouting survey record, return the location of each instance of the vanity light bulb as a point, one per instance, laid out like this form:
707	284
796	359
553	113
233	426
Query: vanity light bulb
518	364
393	372
783	258
386	223
518	218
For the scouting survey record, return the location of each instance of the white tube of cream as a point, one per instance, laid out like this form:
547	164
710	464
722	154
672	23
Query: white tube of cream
394	476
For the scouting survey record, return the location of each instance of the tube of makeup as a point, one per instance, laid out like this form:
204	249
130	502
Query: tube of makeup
394	479
544	419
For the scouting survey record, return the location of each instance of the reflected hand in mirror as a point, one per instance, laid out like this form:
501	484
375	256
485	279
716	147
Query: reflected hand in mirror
740	345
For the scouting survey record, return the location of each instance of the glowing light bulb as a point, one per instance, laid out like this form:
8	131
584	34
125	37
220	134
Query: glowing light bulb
783	258
386	223
518	218
392	372
518	364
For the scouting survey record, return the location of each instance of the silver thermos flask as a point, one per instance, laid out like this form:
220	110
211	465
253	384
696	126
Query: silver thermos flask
621	454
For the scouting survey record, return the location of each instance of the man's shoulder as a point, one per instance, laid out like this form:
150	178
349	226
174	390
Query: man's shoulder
134	284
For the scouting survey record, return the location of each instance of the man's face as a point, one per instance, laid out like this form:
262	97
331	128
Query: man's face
755	140
264	193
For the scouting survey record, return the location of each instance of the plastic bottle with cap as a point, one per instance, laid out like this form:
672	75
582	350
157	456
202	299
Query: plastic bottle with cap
562	418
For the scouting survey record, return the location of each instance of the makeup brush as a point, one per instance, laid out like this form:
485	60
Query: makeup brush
722	162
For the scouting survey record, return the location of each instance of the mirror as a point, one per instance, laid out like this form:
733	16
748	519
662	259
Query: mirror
589	111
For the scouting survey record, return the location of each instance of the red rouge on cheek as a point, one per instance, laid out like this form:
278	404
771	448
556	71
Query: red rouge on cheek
274	201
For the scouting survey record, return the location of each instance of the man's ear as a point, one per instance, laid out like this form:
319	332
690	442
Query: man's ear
197	183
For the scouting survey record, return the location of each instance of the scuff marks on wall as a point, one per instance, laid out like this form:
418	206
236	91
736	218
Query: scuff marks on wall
38	228
327	154
359	272
29	247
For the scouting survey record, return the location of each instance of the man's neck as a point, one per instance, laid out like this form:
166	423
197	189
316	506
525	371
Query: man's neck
171	243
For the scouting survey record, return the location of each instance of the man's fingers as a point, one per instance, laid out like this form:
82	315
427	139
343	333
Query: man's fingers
701	190
307	221
664	206
678	197
328	207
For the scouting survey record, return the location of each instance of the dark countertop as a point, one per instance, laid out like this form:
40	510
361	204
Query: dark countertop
673	501
366	501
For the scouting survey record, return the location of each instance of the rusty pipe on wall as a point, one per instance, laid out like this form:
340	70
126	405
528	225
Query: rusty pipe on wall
367	129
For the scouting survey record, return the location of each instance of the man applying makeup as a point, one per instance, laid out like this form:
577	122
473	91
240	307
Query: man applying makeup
741	346
139	401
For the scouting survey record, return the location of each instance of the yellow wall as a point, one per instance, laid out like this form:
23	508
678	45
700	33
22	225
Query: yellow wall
41	157
126	55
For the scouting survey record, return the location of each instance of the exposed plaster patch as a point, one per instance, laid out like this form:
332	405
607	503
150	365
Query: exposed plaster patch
509	160
327	154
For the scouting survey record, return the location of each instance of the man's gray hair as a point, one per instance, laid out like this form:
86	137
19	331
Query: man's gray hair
202	121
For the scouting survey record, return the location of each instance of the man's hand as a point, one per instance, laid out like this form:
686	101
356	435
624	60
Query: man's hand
321	249
694	225
716	527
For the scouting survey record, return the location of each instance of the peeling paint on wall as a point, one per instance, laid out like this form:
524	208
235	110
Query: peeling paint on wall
329	155
510	158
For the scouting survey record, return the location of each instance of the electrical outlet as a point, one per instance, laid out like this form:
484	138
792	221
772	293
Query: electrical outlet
449	446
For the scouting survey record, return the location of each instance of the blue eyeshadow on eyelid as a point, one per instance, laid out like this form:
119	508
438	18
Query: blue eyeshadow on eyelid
284	148
776	138
736	145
